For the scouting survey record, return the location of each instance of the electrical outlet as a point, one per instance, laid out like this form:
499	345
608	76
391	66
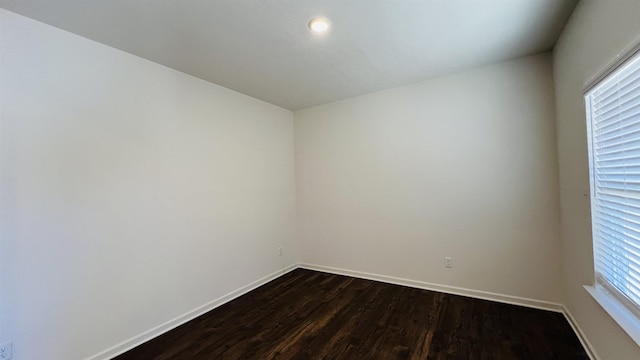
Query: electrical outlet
6	351
448	262
279	251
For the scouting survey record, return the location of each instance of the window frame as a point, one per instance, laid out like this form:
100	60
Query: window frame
624	311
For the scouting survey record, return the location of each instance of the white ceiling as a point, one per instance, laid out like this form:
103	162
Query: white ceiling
263	48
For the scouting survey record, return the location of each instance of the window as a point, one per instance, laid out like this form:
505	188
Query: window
613	124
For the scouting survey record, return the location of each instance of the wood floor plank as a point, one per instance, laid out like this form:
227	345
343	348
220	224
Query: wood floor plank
313	315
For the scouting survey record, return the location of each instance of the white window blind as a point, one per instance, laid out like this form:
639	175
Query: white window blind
613	113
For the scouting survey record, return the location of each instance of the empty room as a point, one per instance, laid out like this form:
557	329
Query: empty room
337	179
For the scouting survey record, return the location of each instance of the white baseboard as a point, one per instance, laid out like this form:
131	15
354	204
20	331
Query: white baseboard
189	315
484	295
478	294
586	344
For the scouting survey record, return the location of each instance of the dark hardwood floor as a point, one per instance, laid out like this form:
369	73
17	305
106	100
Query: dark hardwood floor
313	315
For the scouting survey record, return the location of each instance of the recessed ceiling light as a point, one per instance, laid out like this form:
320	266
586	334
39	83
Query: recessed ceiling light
319	24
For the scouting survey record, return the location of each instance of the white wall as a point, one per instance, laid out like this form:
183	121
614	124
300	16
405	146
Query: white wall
462	166
130	193
596	34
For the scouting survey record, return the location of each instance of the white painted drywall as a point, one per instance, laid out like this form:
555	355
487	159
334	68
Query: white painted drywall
130	193
596	34
462	166
263	48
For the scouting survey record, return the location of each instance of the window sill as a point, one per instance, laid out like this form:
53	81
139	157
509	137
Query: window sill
627	320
